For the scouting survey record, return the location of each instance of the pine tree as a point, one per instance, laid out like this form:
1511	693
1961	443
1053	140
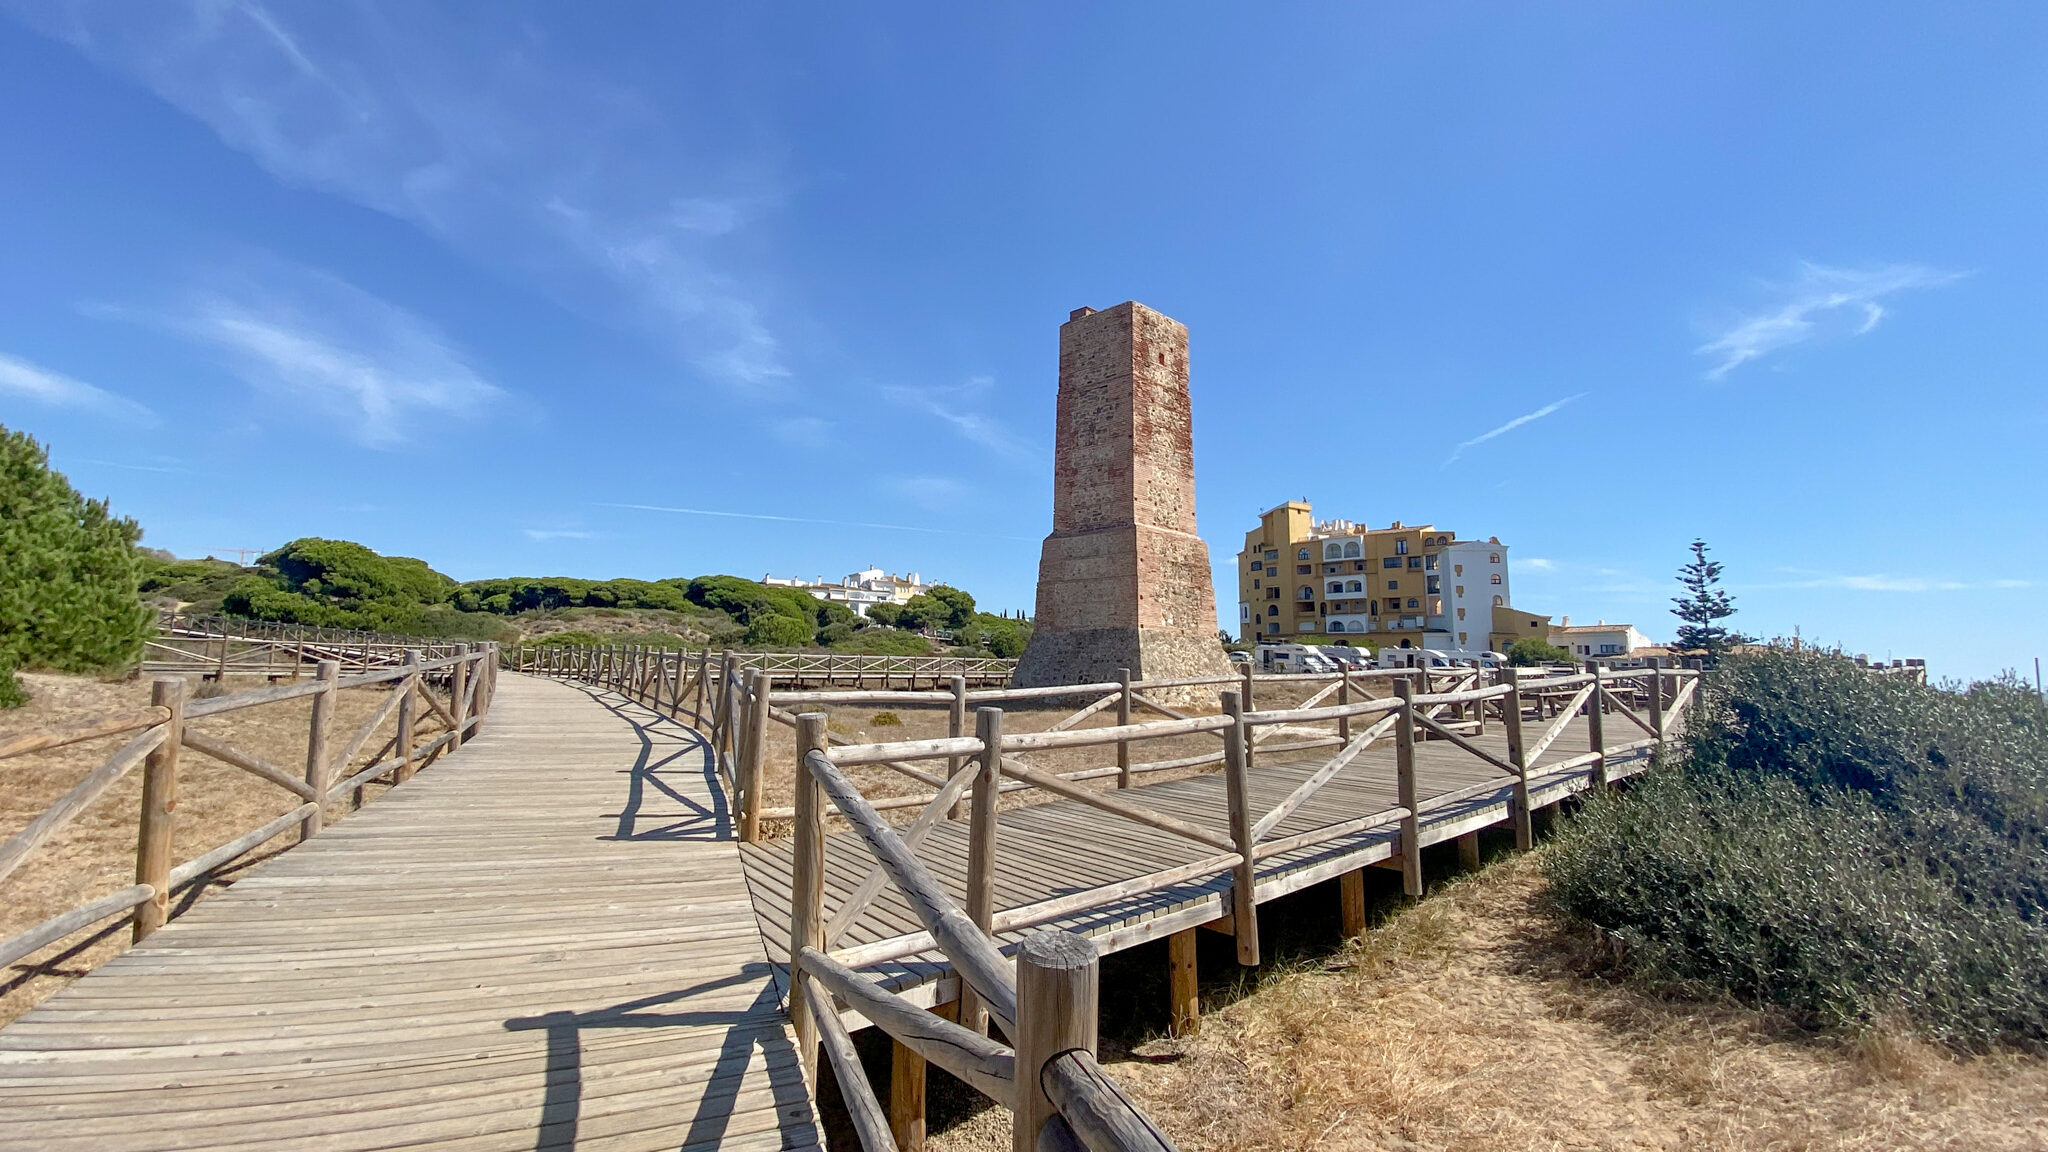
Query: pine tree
68	570
1704	605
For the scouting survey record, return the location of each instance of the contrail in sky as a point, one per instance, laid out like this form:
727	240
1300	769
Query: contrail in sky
809	520
1510	426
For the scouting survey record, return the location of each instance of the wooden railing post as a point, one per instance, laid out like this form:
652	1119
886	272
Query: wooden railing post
1244	912
1058	982
408	715
956	726
1404	782
1245	699
1123	716
316	747
807	883
1596	734
1511	719
703	683
749	777
458	707
1656	702
1343	698
981	849
153	835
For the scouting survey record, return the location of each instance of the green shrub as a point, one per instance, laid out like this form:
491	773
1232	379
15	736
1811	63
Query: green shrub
1847	846
12	694
771	630
884	642
886	720
69	570
1529	651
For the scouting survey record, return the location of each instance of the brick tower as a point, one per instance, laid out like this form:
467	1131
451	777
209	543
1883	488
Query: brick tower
1123	581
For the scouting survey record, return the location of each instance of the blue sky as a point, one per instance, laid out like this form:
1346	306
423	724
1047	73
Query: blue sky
508	287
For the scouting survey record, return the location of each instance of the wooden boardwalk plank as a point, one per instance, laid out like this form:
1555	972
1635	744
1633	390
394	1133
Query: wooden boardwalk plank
544	940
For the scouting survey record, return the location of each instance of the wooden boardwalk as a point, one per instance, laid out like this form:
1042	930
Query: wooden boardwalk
545	941
1060	847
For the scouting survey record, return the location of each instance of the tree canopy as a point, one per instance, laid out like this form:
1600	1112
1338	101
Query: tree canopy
1704	605
68	571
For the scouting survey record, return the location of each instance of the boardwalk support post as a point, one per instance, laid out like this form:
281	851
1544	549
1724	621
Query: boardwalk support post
458	705
408	716
956	726
807	895
1596	705
1182	984
1123	718
1244	912
1655	682
1404	779
757	749
1057	991
153	837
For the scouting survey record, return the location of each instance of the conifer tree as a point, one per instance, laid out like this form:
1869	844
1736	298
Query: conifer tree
68	571
1704	605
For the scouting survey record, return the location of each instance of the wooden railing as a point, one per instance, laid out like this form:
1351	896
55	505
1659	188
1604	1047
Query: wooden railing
469	676
214	647
619	663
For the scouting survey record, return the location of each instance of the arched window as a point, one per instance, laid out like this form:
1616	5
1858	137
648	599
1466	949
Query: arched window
1272	609
1301	555
1496	577
1333	551
1498	602
1493	557
1336	587
1356	586
1414	603
1336	625
1307	593
1351	549
1372	607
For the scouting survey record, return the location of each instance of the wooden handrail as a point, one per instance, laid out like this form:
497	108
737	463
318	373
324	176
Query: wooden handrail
40	739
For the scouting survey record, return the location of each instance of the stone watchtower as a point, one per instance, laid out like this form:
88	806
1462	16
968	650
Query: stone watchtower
1123	581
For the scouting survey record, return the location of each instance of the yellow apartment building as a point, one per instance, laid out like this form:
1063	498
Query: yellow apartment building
1300	580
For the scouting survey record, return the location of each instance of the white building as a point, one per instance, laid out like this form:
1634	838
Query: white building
1588	641
857	590
1471	582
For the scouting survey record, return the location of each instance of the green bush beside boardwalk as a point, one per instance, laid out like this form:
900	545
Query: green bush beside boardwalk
1849	847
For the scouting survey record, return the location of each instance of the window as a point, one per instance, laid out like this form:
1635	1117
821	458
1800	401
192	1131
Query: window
1244	611
1307	593
1401	547
1272	555
1302	569
1329	569
1415	561
1272	629
1429	563
1496	577
1333	551
1301	555
1391	562
1393	585
1372	607
1336	587
1493	557
1498	603
1307	626
1461	613
1272	609
1459	589
1358	566
1350	549
1356	586
1258	565
1609	649
1432	586
1457	569
1413	602
1336	625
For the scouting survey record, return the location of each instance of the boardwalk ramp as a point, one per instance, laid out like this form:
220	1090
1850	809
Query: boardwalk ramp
543	942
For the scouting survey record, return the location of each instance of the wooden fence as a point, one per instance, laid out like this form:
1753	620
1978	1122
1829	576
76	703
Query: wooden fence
1068	1102
617	664
423	730
214	647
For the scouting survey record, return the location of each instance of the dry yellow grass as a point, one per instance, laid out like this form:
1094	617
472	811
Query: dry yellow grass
95	854
1471	1021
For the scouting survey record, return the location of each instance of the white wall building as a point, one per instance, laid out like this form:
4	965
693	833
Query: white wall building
1472	580
1587	641
857	590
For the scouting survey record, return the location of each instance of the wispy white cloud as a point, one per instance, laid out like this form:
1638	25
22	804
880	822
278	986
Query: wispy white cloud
1537	564
812	520
958	406
802	431
326	348
1887	582
1510	426
932	493
543	535
480	131
23	380
1820	300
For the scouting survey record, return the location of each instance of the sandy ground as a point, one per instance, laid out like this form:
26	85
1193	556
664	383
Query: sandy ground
95	853
1473	1020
